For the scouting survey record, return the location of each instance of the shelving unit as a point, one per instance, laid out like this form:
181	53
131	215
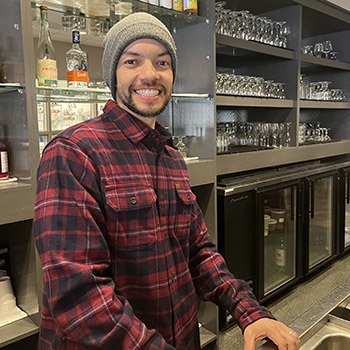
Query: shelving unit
192	111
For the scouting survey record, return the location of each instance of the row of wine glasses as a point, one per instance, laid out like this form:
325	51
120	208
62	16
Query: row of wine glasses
320	91
231	135
322	49
247	26
312	132
240	85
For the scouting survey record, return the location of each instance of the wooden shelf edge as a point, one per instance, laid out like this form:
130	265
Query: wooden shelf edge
206	336
255	46
324	104
16	331
253	102
324	62
234	163
201	172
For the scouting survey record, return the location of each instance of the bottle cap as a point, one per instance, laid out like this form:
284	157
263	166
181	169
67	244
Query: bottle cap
76	37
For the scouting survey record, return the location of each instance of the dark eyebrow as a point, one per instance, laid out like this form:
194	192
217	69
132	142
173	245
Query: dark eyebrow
135	54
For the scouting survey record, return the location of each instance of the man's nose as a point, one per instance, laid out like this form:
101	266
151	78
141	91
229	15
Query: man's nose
148	71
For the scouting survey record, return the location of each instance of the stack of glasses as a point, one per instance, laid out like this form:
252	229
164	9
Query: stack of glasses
244	25
236	136
240	85
320	91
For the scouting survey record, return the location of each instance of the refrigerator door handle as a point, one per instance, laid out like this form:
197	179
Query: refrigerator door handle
348	188
292	203
312	208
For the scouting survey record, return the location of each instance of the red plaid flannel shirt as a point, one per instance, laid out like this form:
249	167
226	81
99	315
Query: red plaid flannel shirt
123	244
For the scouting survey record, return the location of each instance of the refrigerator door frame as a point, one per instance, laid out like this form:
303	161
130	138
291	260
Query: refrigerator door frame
309	180
260	268
344	176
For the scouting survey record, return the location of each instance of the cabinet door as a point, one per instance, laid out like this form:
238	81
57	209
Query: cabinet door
278	222
321	219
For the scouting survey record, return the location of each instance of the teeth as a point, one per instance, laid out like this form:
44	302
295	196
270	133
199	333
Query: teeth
147	92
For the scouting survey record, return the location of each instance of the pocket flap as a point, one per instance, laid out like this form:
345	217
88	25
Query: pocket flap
185	194
122	199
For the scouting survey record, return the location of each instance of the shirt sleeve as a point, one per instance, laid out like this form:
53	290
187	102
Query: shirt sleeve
214	282
70	235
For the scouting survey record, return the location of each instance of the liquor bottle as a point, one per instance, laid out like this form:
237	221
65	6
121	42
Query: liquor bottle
178	5
166	3
190	6
46	64
154	2
280	256
77	68
4	169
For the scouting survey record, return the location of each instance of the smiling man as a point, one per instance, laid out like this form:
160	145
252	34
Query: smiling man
124	248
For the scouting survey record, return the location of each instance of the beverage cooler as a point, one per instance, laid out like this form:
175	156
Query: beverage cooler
277	226
344	217
320	222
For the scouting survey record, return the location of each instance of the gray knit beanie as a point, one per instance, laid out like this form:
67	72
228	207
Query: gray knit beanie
139	25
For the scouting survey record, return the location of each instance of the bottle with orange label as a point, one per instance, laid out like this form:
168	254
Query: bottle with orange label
77	64
190	6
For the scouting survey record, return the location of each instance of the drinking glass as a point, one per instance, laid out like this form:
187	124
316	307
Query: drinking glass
327	48
318	49
181	146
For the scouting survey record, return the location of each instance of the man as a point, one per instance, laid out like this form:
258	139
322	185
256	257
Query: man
122	241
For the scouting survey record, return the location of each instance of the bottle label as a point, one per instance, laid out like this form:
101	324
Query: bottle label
47	72
280	257
190	5
178	5
78	75
166	3
4	167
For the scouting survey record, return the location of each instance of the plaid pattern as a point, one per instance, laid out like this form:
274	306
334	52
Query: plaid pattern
123	244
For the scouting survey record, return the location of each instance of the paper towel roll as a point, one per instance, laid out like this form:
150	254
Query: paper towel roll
6	291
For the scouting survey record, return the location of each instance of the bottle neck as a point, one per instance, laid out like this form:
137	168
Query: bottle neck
44	21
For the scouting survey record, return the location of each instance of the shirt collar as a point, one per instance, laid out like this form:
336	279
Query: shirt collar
133	128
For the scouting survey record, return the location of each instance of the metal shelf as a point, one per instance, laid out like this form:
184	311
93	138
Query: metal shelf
253	102
255	47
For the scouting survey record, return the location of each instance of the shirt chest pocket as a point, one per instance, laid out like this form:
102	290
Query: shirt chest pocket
132	218
186	199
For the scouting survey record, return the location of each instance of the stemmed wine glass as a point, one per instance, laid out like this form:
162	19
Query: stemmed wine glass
327	48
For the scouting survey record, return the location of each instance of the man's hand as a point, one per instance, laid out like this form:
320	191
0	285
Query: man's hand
280	334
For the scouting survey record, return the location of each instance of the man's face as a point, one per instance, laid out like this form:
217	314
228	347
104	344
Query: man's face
144	78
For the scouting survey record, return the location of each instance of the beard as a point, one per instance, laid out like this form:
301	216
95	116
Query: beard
128	102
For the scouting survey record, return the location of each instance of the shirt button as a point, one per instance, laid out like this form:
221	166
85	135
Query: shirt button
133	200
188	196
173	278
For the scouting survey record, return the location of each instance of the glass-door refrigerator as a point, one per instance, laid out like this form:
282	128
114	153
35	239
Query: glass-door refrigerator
344	209
320	220
278	222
